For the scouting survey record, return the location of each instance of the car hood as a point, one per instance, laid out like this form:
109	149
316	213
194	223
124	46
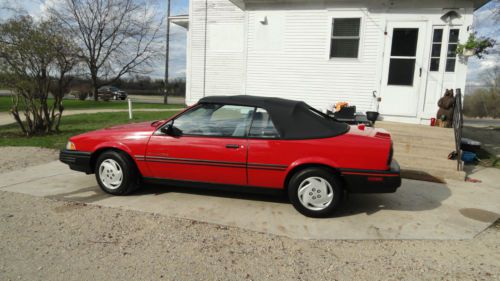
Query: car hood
134	127
135	134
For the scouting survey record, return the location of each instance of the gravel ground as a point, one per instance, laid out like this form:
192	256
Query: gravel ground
43	239
12	158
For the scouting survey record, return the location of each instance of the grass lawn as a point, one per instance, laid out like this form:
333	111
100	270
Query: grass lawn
72	125
69	104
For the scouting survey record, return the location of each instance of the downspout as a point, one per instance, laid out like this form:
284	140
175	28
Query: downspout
205	50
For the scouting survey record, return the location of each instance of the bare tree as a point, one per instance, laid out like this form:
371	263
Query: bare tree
118	37
33	57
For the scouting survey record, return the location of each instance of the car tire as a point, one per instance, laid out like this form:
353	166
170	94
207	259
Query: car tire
116	174
315	192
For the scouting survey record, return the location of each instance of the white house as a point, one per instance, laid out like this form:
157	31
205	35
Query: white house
323	51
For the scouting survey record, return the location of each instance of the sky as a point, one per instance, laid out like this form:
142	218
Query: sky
485	24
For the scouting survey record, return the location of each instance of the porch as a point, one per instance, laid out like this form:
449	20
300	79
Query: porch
422	151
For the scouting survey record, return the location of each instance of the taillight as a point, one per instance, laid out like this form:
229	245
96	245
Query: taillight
391	151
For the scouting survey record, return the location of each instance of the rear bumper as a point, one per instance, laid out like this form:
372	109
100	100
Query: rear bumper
77	160
373	181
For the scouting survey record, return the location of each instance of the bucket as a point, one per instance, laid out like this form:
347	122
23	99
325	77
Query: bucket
372	116
468	157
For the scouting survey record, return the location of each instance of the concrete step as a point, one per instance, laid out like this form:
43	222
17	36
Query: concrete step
412	160
411	127
421	131
437	135
423	135
422	140
422	150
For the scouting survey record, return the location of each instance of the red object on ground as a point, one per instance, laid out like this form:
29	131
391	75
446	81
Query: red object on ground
472	180
433	122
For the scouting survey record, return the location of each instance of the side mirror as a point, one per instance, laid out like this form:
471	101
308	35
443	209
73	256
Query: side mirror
171	130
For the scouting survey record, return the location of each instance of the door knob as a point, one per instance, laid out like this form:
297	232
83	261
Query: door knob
232	146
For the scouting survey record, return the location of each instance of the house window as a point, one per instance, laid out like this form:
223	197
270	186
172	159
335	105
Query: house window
451	56
345	38
437	40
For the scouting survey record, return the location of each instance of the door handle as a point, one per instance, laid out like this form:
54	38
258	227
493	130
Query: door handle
233	146
420	75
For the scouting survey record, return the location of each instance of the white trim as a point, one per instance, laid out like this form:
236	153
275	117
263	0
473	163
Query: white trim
189	36
424	60
245	53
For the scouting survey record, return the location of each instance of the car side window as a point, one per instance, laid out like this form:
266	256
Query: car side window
263	126
216	120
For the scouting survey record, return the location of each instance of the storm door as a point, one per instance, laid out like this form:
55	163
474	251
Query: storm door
402	69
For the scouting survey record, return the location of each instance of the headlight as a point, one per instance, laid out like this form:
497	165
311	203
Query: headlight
70	146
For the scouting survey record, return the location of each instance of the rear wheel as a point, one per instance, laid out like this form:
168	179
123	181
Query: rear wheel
115	173
315	192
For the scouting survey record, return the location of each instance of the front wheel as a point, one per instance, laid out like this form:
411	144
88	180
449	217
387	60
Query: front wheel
315	192
115	173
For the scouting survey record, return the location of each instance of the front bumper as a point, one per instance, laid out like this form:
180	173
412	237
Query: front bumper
77	160
121	95
373	181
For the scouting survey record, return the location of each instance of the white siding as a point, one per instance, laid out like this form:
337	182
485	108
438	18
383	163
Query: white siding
224	66
288	56
302	70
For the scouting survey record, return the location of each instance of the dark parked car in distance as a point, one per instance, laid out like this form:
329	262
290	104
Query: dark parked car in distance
110	92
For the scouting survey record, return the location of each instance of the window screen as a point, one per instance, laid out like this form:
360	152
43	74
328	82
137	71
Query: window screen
345	38
403	56
451	56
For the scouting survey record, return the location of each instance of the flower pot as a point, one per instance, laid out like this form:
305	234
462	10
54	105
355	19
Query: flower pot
469	52
372	116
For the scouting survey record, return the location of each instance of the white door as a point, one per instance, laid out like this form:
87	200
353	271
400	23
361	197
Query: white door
403	55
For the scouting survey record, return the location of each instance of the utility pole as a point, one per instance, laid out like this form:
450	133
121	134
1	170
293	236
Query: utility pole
165	97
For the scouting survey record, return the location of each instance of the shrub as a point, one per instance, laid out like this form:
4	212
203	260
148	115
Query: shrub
483	103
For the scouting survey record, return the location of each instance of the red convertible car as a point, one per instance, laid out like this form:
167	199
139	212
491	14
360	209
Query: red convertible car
243	142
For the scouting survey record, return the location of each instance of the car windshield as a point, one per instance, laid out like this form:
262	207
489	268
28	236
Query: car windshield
215	120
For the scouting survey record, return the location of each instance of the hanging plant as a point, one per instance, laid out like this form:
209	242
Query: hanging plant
475	46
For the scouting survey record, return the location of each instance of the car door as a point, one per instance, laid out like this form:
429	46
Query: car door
268	156
212	147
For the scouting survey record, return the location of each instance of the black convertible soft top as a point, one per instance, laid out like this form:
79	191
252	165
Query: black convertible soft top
292	119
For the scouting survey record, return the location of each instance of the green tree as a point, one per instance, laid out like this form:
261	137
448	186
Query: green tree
35	58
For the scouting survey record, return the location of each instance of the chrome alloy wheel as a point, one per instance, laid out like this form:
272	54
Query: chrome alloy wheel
111	174
315	193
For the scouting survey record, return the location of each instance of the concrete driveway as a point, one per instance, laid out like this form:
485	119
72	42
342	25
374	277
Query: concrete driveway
419	210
